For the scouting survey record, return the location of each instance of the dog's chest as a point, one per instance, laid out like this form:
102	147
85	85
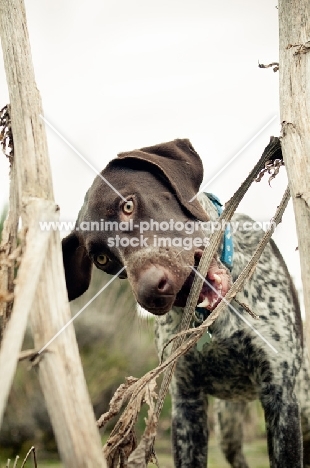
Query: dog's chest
219	368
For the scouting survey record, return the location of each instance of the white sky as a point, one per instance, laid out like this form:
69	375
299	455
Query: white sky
116	75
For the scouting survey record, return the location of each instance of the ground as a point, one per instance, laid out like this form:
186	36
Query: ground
256	453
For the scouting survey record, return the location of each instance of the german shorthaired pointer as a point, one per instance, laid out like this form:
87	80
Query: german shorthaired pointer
150	227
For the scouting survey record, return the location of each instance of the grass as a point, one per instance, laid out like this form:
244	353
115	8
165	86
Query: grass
256	454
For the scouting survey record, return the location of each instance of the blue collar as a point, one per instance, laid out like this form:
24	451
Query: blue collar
228	246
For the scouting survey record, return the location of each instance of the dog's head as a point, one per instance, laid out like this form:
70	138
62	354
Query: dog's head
138	214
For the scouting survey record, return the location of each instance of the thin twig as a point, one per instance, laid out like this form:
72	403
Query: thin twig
35	459
247	308
274	65
33	450
27	354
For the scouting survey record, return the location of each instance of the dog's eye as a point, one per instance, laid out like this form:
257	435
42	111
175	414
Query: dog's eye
102	259
128	207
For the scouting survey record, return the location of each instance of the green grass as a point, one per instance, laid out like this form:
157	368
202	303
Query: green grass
256	454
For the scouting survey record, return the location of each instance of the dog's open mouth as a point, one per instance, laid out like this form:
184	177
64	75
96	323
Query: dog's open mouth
215	287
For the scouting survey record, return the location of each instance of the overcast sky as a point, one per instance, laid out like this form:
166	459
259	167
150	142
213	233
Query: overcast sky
116	75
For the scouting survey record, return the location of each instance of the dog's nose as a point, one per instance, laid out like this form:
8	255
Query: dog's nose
156	290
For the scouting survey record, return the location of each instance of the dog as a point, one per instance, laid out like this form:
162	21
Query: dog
156	232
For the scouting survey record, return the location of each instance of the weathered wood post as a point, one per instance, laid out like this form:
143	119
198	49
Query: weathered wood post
294	67
40	288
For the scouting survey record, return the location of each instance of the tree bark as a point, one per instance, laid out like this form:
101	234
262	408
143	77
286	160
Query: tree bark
59	368
294	67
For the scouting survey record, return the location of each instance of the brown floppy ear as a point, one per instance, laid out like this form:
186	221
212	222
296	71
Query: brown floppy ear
181	165
77	264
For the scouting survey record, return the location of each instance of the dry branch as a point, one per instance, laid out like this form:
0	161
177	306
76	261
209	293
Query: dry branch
294	27
60	371
122	440
9	232
274	65
271	167
27	282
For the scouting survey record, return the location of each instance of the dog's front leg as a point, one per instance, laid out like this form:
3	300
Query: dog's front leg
282	418
189	427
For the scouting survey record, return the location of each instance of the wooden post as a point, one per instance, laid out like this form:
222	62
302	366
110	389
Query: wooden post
40	287
294	67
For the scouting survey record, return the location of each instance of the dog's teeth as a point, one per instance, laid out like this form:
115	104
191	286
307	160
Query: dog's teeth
217	279
204	303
